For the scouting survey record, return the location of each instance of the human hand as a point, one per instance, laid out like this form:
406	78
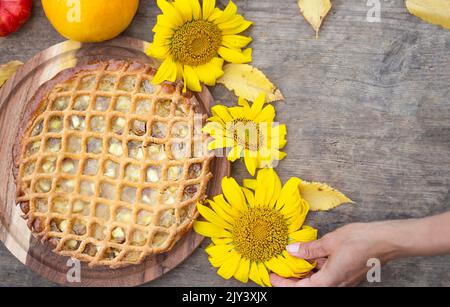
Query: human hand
342	255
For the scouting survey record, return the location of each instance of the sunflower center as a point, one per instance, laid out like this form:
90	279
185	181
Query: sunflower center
260	234
247	134
196	42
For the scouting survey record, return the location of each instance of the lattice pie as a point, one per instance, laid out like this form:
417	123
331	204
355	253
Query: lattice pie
110	166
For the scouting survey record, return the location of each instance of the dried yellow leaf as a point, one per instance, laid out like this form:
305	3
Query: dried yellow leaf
433	11
7	70
322	197
249	82
314	12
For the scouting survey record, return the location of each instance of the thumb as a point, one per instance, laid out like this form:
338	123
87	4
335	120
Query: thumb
310	250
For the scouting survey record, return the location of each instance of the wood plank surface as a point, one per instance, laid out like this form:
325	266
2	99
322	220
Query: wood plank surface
367	109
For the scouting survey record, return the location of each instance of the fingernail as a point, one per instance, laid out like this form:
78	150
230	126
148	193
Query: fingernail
293	248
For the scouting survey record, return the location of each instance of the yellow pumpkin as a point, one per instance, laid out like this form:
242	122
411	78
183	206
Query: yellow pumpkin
90	20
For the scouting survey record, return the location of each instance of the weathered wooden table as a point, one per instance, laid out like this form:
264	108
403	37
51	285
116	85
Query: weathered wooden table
367	108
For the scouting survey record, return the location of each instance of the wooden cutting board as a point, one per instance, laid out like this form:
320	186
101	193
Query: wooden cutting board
14	97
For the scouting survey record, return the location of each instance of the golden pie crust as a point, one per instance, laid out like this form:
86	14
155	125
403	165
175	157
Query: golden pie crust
110	166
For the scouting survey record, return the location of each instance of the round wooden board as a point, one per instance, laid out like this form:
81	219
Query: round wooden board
14	97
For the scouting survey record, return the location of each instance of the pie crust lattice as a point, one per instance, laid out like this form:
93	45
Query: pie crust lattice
111	166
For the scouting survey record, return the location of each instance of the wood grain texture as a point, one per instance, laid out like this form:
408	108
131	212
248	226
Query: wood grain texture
16	99
367	109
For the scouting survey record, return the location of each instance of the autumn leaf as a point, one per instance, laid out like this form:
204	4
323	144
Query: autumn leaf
322	197
314	12
7	70
433	11
249	82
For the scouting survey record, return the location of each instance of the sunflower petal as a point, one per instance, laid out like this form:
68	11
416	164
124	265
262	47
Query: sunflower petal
264	274
243	103
262	185
288	190
216	14
292	208
237	112
166	21
230	266
296	214
268	186
184	9
276	190
163	33
266	115
166	72
161	39
250	197
235	56
241	27
297	265
221	241
191	80
296	222
254	274
278	136
250	162
216	262
220	201
208	8
213	217
306	234
169	10
249	184
229	11
279	267
278	155
234	22
213	129
218	250
243	271
220	259
221	142
257	106
233	193
207	229
221	111
196	9
236	41
208	73
221	212
215	119
158	52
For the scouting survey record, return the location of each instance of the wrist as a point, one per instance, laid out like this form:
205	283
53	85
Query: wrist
393	239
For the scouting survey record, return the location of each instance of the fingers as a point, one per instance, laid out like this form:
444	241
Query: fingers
278	281
319	279
322	278
313	281
321	262
310	250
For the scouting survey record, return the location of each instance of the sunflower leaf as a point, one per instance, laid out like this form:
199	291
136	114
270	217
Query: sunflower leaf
322	197
249	82
314	12
433	11
7	70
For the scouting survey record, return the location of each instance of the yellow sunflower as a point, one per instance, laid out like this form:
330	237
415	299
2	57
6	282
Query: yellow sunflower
250	227
192	40
249	132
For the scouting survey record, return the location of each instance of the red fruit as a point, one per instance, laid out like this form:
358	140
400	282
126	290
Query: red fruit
13	14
